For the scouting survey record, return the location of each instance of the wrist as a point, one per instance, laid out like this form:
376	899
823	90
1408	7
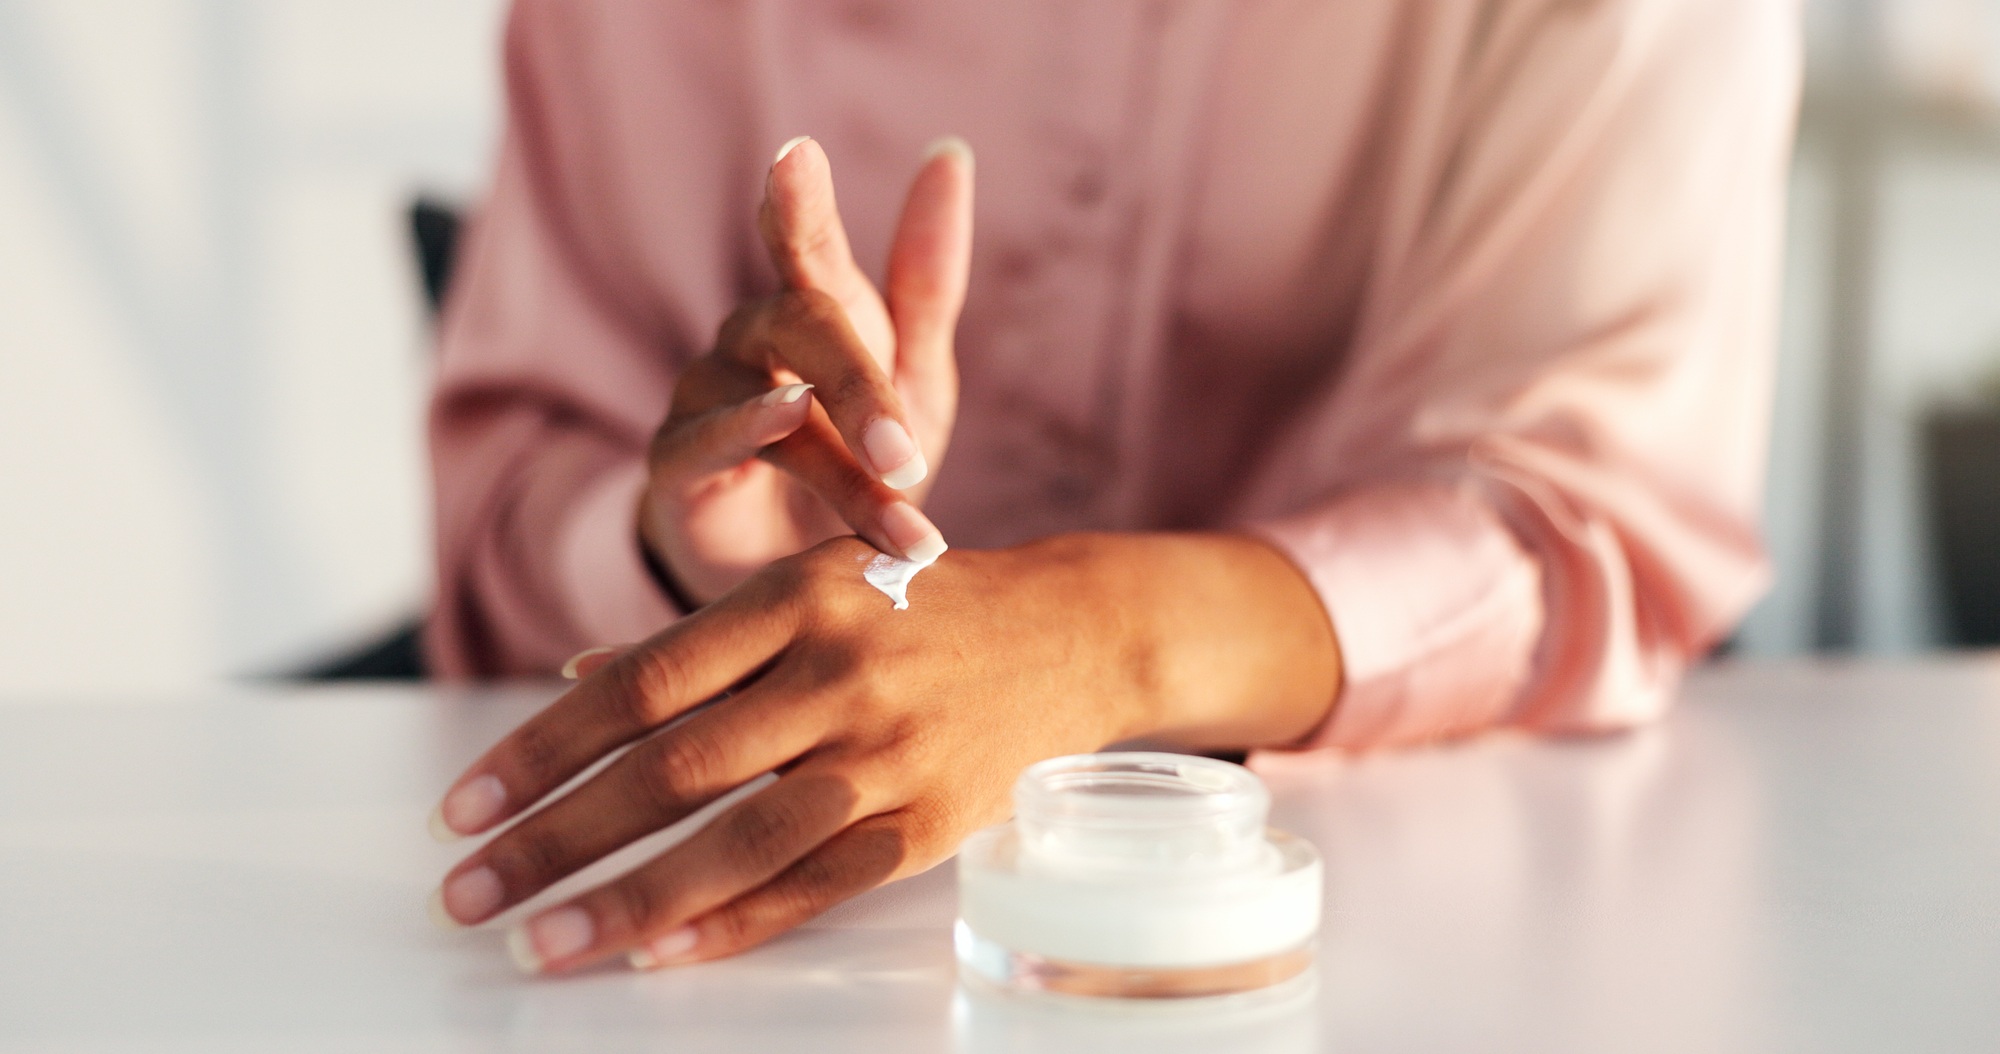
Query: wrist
657	566
1209	640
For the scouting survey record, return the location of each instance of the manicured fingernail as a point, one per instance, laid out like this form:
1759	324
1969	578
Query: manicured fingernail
787	148
470	806
787	395
895	456
522	950
439	915
913	533
472	896
556	934
952	145
570	669
664	951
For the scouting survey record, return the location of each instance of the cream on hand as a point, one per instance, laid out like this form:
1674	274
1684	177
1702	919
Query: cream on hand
892	574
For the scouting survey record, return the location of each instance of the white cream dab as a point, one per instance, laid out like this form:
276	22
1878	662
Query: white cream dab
892	576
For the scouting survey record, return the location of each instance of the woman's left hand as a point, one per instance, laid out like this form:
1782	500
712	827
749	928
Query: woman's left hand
895	733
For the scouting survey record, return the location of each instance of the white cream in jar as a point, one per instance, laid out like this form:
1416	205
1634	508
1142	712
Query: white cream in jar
1137	875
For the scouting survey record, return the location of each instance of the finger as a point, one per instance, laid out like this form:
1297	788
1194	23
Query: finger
815	457
589	661
688	453
853	862
800	223
740	850
815	454
689	662
930	261
807	331
658	783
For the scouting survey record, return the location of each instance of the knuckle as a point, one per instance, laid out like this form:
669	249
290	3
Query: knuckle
835	559
732	927
802	576
634	903
765	833
870	853
859	491
645	682
539	752
812	884
886	847
806	312
854	388
818	587
536	856
783	582
809	239
876	697
785	593
925	821
685	770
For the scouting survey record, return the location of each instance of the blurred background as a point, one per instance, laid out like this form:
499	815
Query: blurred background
214	335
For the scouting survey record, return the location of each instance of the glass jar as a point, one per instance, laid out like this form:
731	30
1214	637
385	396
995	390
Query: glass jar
1137	875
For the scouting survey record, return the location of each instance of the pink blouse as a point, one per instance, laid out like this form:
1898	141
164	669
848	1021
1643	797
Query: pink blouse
1467	307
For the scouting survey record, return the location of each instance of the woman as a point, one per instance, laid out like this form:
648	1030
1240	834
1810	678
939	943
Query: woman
1333	375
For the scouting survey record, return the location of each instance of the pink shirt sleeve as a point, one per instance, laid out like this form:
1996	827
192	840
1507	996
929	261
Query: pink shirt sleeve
554	369
1574	333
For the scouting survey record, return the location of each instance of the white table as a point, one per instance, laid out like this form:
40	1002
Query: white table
1803	858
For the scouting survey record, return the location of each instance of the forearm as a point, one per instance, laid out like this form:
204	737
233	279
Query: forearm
1217	640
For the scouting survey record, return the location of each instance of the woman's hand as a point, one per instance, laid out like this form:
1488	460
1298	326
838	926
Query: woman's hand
896	733
748	466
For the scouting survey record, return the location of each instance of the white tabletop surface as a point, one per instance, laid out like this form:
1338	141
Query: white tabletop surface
1804	857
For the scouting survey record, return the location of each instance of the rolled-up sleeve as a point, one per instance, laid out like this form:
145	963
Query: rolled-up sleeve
1565	369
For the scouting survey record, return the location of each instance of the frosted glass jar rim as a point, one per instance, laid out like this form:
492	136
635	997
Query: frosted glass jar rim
1162	790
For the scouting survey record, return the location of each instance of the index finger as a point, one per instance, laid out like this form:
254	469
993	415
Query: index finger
808	332
680	667
802	231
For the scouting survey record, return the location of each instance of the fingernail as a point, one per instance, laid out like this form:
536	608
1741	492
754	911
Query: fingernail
439	915
522	950
787	148
556	934
950	144
913	533
666	950
895	456
569	670
471	897
787	395
469	807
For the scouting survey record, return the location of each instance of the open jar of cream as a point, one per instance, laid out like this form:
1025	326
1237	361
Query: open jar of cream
1138	875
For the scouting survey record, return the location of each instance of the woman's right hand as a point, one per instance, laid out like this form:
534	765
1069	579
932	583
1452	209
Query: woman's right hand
826	408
